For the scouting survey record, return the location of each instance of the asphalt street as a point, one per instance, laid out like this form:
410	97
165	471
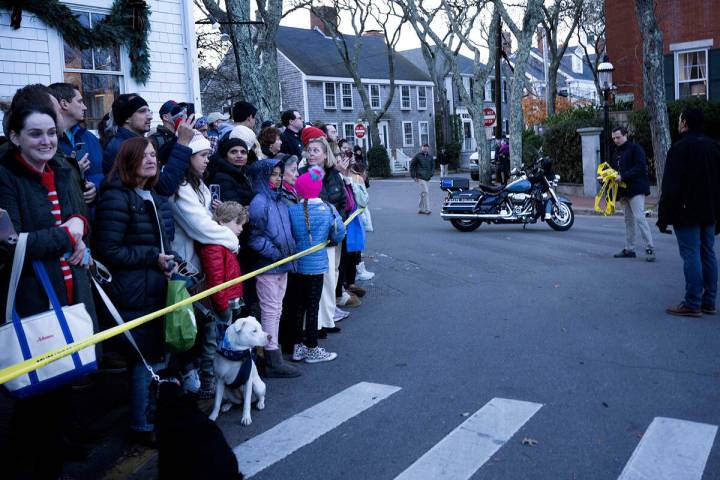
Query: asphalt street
557	356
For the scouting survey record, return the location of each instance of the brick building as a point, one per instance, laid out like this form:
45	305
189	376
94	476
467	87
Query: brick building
691	34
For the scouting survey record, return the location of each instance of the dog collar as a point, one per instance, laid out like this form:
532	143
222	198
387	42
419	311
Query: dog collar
246	357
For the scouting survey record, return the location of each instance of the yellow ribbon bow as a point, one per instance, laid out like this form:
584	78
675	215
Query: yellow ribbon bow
608	191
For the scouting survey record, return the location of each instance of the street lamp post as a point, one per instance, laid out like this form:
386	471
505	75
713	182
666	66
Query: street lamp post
605	74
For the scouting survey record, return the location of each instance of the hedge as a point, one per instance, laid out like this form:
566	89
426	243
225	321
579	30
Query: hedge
378	162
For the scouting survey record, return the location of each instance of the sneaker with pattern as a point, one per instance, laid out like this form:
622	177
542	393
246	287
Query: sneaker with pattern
299	352
319	354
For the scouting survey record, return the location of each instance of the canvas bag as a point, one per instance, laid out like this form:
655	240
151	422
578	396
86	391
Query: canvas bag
22	339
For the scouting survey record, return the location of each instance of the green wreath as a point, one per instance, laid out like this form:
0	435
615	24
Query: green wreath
127	25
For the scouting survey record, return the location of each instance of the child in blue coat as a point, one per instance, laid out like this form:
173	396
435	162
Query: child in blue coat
313	222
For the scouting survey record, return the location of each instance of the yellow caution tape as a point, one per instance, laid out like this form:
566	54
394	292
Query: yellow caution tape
39	361
609	189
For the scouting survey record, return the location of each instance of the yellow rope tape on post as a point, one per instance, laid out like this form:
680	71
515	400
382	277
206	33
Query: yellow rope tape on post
609	189
34	363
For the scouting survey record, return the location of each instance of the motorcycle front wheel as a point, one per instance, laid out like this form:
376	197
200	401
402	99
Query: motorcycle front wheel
562	217
465	225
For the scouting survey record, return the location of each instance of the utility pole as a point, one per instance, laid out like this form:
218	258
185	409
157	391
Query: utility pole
498	82
545	71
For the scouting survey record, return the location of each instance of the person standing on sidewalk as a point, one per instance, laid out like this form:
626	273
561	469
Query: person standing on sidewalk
690	202
421	170
631	165
443	161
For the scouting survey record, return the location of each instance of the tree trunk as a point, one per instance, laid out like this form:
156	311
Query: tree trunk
552	88
654	83
482	149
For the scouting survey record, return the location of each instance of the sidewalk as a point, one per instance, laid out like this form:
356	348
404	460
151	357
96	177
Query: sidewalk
586	206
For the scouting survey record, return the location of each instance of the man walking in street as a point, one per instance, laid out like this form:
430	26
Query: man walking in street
421	170
631	165
690	202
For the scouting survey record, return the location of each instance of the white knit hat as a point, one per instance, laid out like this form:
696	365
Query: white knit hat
248	136
199	143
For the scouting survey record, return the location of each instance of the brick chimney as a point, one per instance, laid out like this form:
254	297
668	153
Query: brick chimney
326	12
539	39
374	33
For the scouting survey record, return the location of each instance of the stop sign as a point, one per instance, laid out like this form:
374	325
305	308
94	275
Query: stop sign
359	131
489	116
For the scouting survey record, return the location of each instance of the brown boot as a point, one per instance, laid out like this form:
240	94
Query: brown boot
683	310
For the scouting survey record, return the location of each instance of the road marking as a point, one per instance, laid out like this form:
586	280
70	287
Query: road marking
464	450
271	446
671	449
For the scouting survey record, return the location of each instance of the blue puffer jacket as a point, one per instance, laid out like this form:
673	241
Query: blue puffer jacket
270	232
325	222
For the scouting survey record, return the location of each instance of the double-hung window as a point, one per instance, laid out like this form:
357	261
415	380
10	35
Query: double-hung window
374	93
408	140
424	133
329	96
692	74
349	132
422	98
404	97
97	72
346	96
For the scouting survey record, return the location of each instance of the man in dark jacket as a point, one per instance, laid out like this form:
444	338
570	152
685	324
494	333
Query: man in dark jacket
291	140
132	115
630	163
690	202
421	170
164	138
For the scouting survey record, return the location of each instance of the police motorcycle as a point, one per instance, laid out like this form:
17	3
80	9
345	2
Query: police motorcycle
528	196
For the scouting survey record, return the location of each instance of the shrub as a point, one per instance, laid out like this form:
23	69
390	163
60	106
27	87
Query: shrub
562	142
531	143
378	162
452	151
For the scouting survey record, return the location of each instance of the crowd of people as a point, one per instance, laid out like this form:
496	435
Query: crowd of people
204	199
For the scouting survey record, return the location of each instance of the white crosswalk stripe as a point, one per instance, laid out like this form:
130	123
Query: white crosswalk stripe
269	447
464	450
671	449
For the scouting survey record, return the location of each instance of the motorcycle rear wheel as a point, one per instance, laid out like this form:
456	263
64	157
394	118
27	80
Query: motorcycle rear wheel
562	217
465	225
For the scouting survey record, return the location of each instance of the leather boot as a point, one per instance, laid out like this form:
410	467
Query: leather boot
275	367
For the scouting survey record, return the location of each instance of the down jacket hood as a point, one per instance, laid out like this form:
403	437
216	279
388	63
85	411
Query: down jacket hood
260	172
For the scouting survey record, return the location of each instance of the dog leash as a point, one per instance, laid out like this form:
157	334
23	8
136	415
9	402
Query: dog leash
106	277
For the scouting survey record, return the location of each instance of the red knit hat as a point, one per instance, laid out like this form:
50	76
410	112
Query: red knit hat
310	133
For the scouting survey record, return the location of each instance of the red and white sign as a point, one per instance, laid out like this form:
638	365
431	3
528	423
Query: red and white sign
490	116
360	131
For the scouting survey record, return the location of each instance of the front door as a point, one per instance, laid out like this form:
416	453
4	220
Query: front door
384	134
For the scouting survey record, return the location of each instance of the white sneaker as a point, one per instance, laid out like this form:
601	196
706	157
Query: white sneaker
319	354
342	300
340	315
299	352
362	273
191	381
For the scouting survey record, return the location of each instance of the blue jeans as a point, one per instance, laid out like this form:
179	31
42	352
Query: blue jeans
697	249
140	400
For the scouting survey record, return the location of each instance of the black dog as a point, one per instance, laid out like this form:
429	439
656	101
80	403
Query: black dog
190	446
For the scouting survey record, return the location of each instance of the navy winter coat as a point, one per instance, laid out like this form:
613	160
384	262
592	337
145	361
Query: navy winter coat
172	173
632	166
91	146
270	232
325	222
234	184
127	241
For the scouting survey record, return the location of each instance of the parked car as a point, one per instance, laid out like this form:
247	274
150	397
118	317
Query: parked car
475	170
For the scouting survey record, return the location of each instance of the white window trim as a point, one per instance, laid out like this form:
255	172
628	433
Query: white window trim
409	97
427	127
344	133
412	135
343	97
325	96
418	97
677	71
379	95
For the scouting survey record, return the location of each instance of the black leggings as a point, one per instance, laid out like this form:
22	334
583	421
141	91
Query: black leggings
309	291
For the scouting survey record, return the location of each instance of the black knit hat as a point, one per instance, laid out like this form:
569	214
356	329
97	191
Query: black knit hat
228	144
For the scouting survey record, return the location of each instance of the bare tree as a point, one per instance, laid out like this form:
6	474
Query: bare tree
654	82
462	19
591	38
254	49
523	34
559	13
364	15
